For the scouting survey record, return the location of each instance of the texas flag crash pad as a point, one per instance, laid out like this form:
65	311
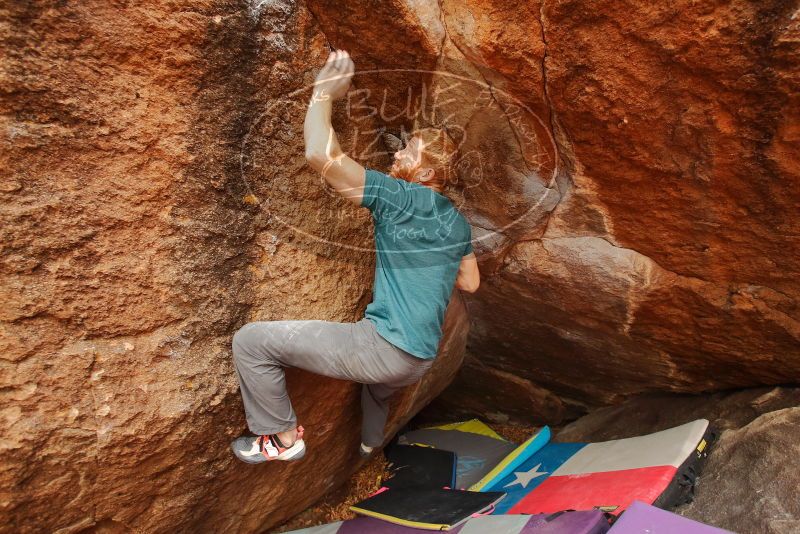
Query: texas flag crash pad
608	475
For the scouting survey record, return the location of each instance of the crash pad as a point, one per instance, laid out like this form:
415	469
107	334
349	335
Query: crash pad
580	522
513	460
414	466
607	475
642	518
427	508
329	528
477	449
473	426
571	522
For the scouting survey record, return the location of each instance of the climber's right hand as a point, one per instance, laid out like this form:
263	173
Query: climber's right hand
335	77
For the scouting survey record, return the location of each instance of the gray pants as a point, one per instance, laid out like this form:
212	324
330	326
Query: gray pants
350	351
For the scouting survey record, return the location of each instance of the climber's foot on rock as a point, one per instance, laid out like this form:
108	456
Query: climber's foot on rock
259	449
289	437
365	451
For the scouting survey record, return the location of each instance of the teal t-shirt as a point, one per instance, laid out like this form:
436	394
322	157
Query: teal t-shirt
420	238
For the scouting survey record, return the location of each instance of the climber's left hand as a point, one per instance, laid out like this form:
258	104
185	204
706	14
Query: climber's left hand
336	75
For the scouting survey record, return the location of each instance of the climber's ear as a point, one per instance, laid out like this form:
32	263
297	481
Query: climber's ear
426	175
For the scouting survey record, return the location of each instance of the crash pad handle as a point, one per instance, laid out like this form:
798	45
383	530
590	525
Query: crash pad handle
381	490
487	512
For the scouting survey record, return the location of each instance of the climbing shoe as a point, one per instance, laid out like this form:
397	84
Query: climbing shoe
365	451
258	449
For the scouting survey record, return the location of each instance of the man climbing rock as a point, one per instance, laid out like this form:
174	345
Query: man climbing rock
423	247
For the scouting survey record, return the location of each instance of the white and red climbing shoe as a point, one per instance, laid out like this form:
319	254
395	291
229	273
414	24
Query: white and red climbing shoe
258	449
365	451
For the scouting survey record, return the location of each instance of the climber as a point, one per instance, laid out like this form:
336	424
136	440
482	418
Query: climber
423	248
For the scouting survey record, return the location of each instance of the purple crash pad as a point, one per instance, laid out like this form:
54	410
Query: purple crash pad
581	522
363	525
640	518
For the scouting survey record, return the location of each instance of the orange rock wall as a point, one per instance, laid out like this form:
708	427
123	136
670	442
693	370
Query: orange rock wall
146	194
671	259
629	168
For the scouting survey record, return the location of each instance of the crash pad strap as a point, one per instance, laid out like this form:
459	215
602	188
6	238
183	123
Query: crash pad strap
398	521
427	508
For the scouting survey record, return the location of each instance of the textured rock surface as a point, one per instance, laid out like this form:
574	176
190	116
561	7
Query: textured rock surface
144	219
629	169
670	259
629	175
750	487
749	482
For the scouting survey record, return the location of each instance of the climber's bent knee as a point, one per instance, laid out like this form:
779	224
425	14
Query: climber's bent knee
242	339
253	341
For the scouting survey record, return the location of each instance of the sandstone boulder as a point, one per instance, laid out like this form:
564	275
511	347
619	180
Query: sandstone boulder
154	198
629	170
663	254
751	483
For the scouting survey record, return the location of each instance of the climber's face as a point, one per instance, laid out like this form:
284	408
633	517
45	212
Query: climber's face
408	161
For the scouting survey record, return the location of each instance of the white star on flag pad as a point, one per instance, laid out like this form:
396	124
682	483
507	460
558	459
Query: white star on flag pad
523	477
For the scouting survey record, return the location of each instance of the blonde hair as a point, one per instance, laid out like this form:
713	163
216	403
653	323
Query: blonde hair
439	153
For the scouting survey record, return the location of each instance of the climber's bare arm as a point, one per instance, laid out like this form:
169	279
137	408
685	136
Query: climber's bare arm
323	152
468	278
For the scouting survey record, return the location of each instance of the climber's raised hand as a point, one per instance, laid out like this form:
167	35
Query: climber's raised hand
334	79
